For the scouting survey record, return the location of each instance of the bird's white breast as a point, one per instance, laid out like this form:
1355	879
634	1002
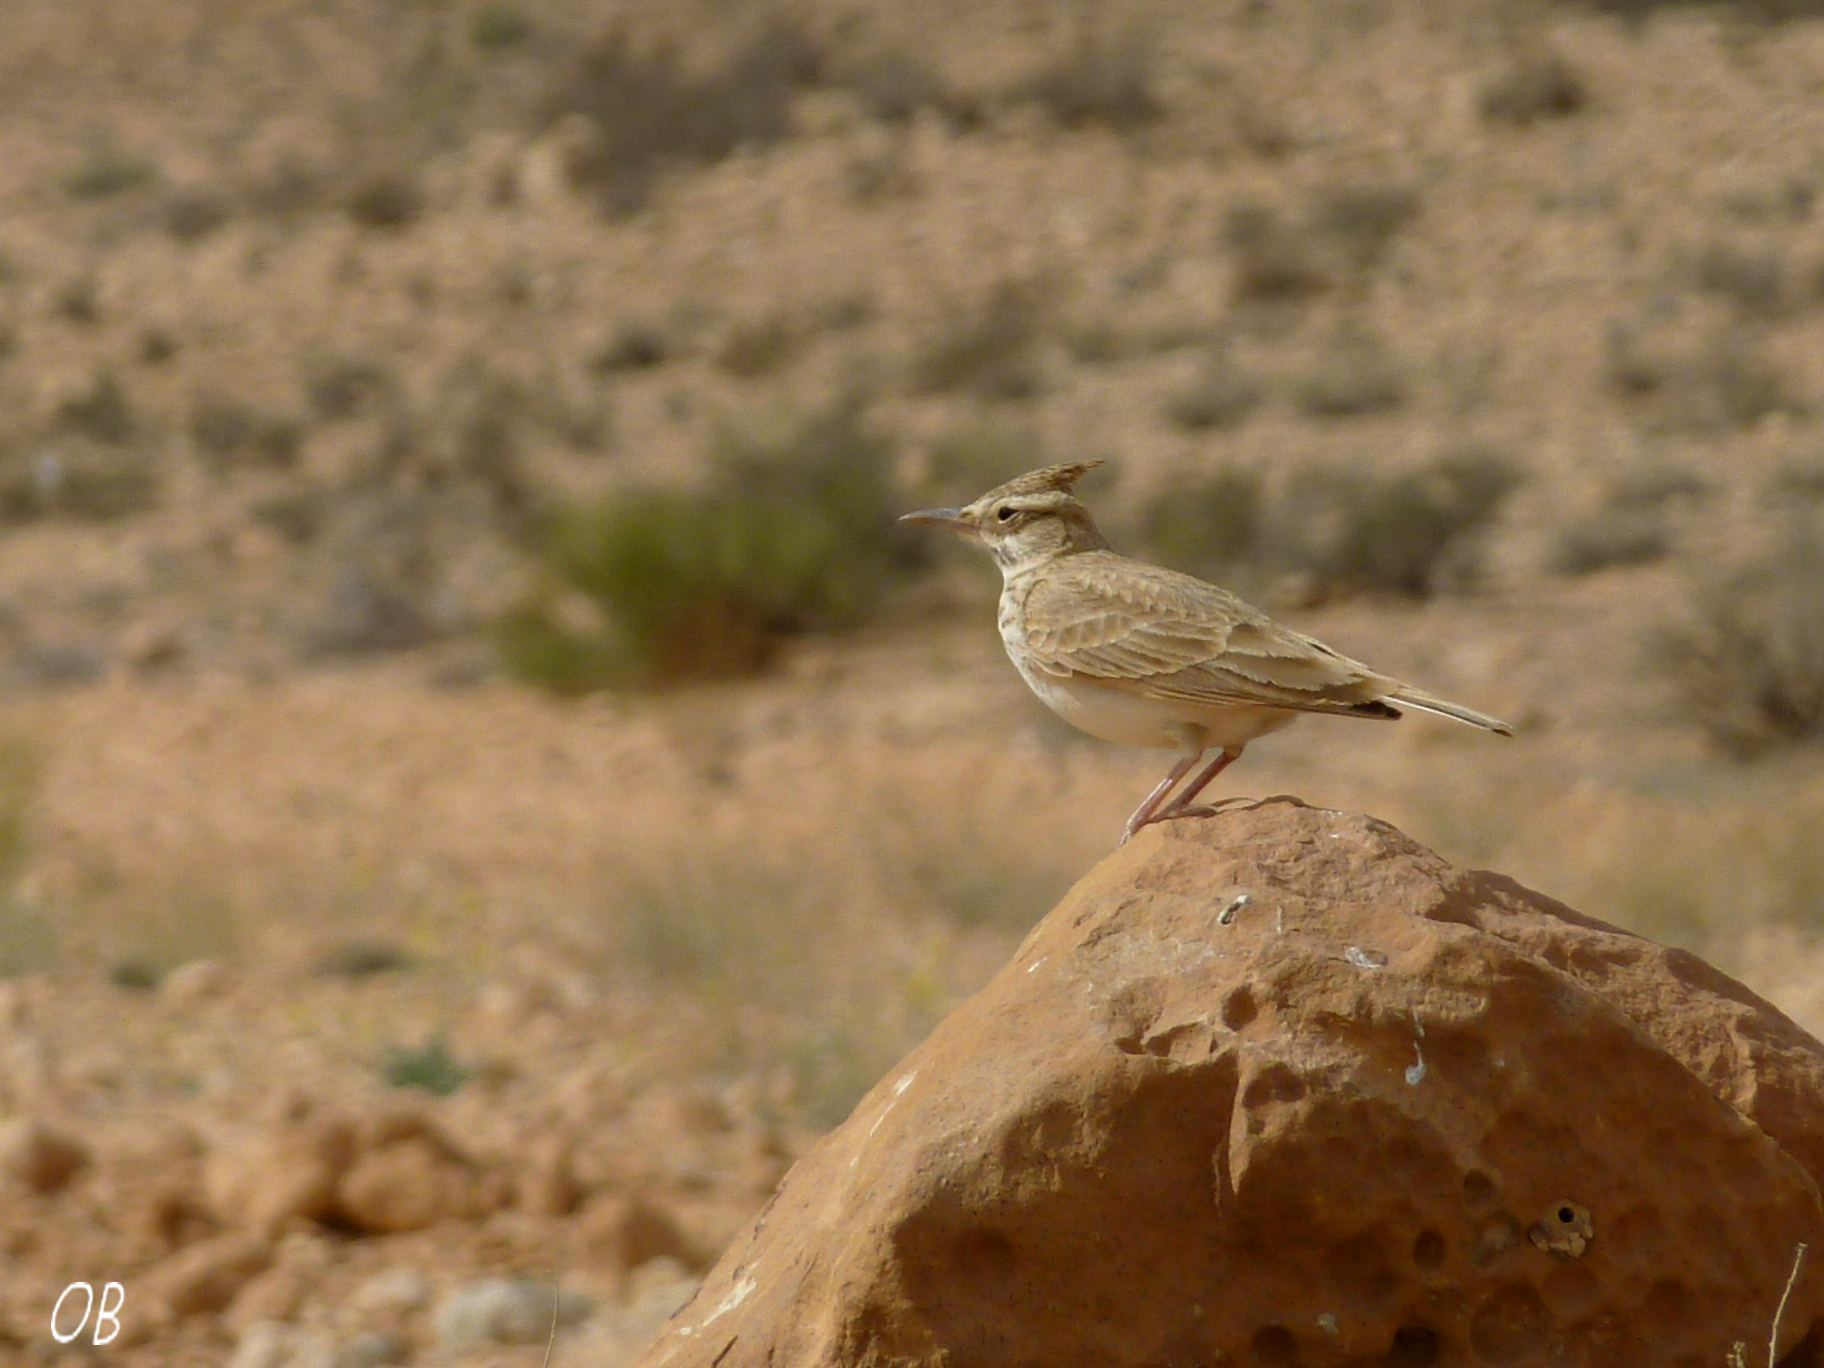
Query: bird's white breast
1094	708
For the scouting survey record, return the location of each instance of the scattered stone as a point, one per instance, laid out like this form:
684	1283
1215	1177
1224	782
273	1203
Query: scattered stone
274	1344
505	1311
372	1350
397	1289
623	1232
38	1156
288	1170
205	1277
410	1175
276	1294
190	985
1155	1138
545	1183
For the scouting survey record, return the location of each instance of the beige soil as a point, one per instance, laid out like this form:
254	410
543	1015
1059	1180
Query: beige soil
671	938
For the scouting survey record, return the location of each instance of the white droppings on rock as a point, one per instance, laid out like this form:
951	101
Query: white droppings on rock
737	1294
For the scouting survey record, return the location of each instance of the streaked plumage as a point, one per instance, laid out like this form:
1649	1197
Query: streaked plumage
1142	655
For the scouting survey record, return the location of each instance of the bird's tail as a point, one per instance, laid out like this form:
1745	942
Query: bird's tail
1431	703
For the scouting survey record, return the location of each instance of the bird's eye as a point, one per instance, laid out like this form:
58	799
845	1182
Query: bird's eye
1005	513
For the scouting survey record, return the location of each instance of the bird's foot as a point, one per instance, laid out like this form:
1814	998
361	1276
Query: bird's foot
1198	810
1172	814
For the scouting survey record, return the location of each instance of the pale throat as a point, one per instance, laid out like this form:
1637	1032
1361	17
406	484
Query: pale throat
1019	555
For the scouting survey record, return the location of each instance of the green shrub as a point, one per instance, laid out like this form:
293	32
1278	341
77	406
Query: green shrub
227	431
1534	86
360	959
105	172
650	113
1722	382
988	346
1205	525
1396	534
193	214
760	345
499	26
1099	81
78	300
896	83
1604	540
1800	476
1364	219
1276	261
1220	397
1350	378
635	345
1755	279
101	412
1652	487
78	481
1748	655
430	1067
796	535
31	938
386	199
974	457
337	387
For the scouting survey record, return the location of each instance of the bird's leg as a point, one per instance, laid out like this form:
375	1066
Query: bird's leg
1144	813
1181	805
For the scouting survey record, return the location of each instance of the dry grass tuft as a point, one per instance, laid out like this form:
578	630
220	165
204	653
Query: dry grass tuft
1534	86
1099	80
1408	534
1723	382
1276	261
1221	397
1747	657
1205	524
1352	376
1609	538
648	111
989	346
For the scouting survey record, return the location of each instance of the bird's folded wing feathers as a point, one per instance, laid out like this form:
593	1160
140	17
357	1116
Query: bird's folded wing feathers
1148	630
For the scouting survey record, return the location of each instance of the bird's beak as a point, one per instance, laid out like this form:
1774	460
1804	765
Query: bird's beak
951	518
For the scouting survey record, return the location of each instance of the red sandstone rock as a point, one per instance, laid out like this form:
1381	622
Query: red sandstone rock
1282	1087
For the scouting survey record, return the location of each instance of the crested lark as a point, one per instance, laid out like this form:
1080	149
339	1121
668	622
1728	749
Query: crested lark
1146	656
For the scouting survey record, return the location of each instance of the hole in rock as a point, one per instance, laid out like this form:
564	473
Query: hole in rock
1275	1083
1478	1190
982	1252
1273	1347
1428	1249
1806	1352
1238	1009
1414	1346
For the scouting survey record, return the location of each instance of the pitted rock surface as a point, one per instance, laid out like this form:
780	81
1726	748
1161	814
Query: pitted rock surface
1283	1087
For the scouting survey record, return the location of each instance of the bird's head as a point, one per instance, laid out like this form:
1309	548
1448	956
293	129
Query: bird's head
1026	521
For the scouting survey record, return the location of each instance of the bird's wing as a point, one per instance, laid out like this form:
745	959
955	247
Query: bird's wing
1105	619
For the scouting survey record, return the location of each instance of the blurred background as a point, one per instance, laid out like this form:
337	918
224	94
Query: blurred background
484	782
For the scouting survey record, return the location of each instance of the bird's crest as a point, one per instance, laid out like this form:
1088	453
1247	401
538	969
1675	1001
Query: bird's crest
1061	478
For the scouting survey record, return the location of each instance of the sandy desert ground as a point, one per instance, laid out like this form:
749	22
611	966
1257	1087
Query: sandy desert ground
314	319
